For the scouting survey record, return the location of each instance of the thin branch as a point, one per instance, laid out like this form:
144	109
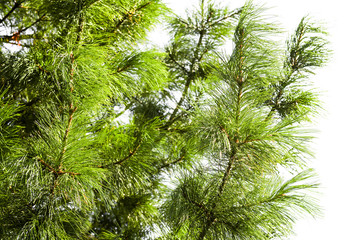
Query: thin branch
199	205
293	60
129	14
226	133
51	169
225	17
227	173
131	153
65	138
16	37
80	29
190	78
72	111
206	228
123	69
240	78
278	96
274	106
182	99
202	54
165	165
60	172
294	67
71	114
42	69
230	163
264	201
16	5
177	63
31	25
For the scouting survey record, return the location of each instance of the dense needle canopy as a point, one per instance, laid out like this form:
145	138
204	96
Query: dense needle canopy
104	137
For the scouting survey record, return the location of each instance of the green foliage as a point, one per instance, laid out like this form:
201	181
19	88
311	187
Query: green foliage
245	210
104	138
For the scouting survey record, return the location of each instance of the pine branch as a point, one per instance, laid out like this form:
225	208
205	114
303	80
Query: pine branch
131	153
54	171
177	63
197	58
230	164
227	173
211	219
232	158
189	80
31	25
123	69
225	17
80	28
240	79
51	169
60	172
206	228
16	5
16	37
293	53
72	111
165	165
128	14
207	212
292	64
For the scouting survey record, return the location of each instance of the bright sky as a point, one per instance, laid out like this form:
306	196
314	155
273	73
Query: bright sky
337	159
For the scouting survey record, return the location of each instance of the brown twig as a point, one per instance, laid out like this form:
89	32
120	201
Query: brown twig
51	169
227	173
165	165
42	69
119	70
72	110
131	153
56	172
16	37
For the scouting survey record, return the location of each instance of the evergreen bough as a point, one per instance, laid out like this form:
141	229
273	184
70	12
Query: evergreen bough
103	137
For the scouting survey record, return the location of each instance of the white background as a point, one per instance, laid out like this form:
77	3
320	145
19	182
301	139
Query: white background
336	161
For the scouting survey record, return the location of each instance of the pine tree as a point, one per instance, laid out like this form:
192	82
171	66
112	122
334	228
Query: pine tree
103	137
